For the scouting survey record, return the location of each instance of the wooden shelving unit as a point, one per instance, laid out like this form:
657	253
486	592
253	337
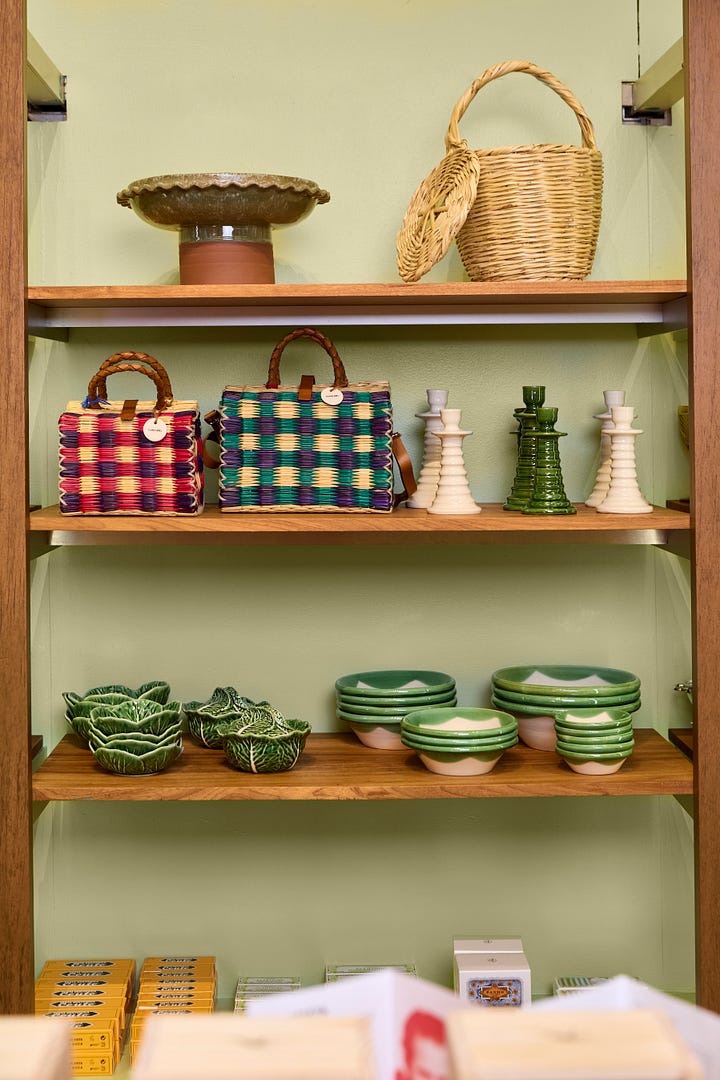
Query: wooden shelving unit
340	767
335	767
402	526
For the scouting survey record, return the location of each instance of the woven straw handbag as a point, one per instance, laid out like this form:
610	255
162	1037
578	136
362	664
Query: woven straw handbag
315	447
131	457
516	212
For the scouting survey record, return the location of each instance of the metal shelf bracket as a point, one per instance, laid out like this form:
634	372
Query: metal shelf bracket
649	99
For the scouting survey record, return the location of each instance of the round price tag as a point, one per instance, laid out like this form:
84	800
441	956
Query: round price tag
155	429
331	395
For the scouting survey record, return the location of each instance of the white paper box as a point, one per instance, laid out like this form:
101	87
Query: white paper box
407	1015
34	1048
223	1046
497	980
487	945
530	1045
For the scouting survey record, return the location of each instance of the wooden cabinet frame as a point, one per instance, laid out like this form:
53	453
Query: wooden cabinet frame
702	45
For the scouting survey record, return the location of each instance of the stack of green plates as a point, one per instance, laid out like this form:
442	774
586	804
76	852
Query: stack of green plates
459	741
594	741
374	702
536	695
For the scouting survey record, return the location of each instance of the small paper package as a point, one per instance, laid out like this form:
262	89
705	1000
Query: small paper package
493	980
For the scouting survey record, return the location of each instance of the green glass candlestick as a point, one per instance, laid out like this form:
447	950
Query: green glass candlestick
548	494
522	489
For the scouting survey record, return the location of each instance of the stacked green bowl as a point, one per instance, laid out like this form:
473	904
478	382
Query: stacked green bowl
595	741
374	703
135	737
79	706
457	741
536	695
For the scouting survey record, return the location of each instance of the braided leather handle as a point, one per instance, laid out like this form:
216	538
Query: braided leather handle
131	361
453	140
273	380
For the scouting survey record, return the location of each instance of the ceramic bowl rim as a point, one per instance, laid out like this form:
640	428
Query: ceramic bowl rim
541	710
434	680
510	682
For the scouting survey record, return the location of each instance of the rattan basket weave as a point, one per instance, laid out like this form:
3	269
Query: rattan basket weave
529	212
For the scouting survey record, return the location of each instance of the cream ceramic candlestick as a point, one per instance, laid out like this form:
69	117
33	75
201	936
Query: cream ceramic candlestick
602	478
624	495
430	471
453	491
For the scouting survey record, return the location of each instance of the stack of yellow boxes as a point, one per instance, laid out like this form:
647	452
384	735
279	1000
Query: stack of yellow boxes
94	996
173	985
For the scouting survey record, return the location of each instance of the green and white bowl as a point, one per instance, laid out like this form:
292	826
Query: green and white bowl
566	680
401	684
419	742
398	708
261	750
595	764
378	735
587	719
557	701
446	763
596	742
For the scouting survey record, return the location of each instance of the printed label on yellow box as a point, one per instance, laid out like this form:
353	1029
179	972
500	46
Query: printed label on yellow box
153	961
89	1064
114	994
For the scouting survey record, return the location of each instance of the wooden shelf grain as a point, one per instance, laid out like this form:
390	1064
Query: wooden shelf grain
659	304
338	767
493	525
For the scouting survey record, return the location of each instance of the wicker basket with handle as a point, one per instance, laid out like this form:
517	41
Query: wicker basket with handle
526	212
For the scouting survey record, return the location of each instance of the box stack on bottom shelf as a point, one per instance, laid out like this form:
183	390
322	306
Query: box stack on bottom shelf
175	986
491	971
95	995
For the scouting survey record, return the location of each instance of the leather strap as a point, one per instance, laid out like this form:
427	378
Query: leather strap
407	474
128	410
273	380
305	390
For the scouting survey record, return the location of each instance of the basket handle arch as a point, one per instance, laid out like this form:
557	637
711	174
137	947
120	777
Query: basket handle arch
131	361
340	378
453	140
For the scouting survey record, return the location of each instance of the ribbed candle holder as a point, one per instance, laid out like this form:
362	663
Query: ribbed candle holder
427	482
453	491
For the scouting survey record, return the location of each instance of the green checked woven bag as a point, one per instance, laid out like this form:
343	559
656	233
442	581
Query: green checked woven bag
315	447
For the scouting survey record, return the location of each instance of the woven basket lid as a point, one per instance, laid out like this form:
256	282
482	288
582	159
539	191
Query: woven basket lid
437	212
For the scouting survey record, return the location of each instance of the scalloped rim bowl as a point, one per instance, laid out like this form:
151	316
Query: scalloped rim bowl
226	198
459	721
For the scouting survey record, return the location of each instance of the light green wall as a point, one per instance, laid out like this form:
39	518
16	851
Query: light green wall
357	97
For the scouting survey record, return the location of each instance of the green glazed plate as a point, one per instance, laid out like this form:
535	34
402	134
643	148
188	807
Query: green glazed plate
591	747
460	722
394	683
566	680
357	718
542	710
398	708
417	742
594	717
558	701
572	756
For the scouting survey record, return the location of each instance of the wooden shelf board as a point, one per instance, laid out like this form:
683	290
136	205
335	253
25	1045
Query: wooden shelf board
36	745
660	303
684	739
493	525
338	767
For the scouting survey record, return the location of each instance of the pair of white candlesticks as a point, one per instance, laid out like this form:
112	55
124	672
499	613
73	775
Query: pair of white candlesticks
442	486
616	489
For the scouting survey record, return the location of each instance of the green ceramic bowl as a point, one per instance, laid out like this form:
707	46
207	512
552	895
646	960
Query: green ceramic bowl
138	713
117	725
225	711
370	684
583	731
543	710
264	751
462	764
459	721
358	718
416	742
566	680
379	735
401	706
125	763
80	706
557	701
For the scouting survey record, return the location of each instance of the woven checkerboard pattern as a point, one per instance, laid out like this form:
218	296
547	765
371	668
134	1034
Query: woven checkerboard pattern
108	466
279	453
